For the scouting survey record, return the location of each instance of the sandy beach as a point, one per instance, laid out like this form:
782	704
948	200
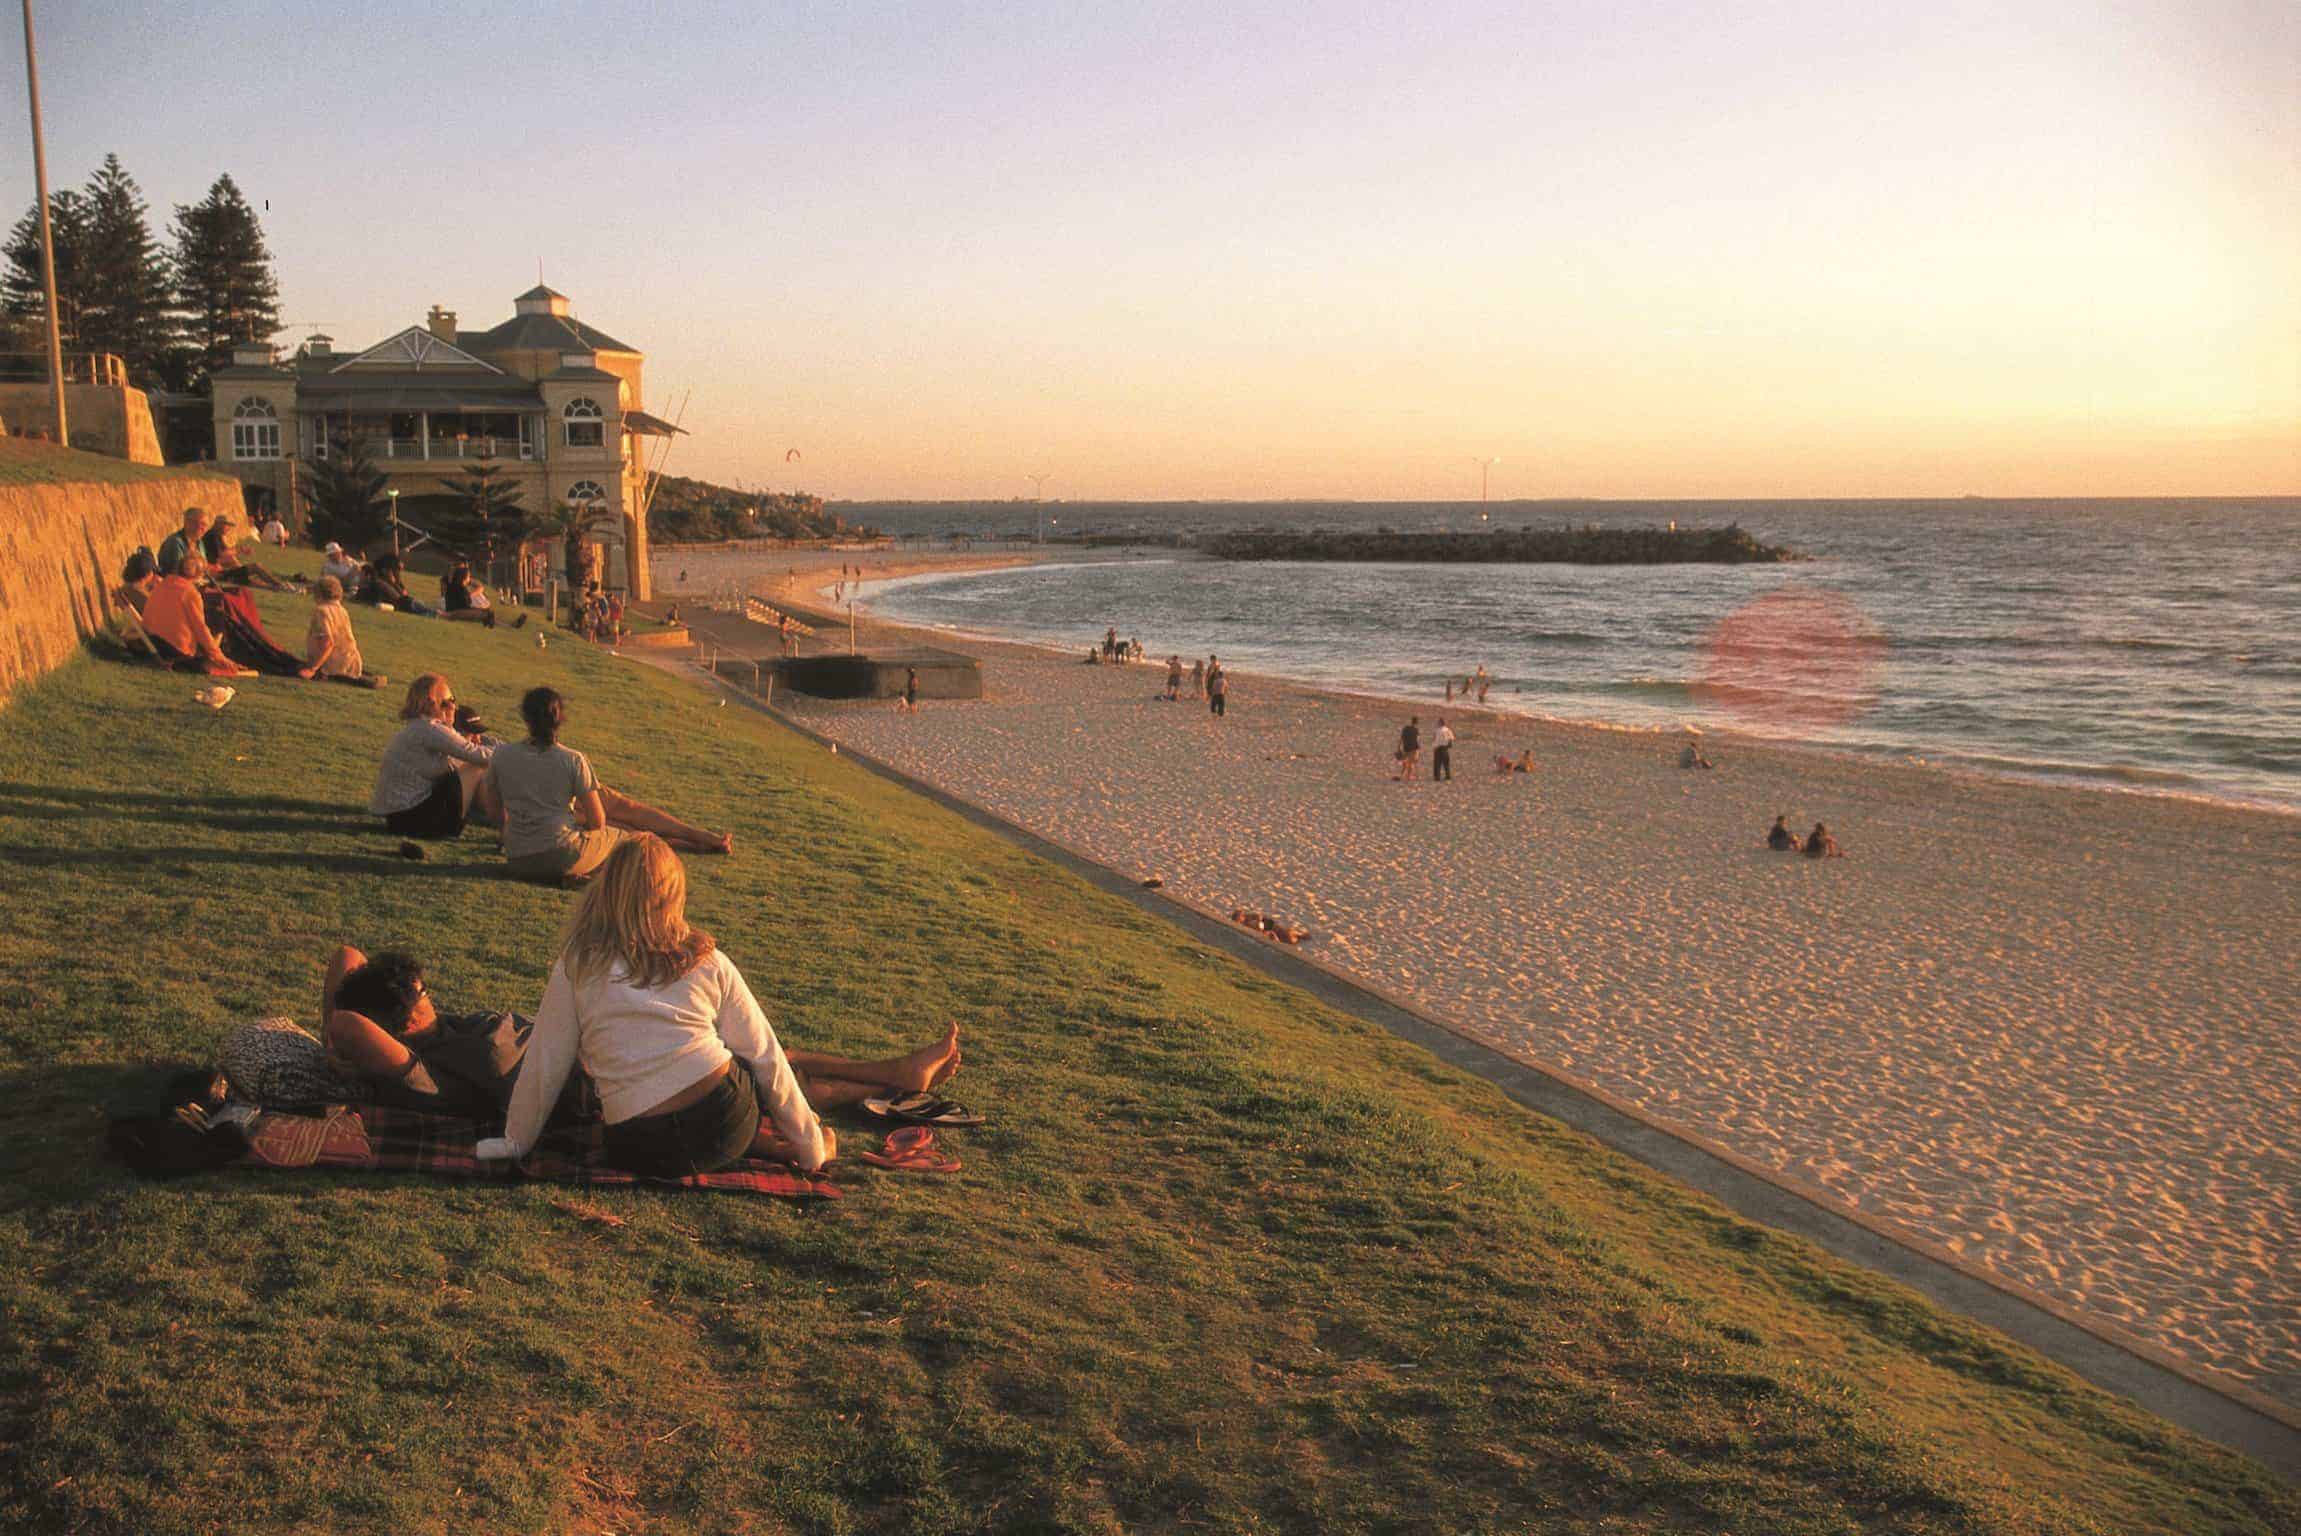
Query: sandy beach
2049	1029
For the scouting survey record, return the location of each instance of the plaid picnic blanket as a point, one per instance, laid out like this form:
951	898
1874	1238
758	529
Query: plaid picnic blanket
376	1138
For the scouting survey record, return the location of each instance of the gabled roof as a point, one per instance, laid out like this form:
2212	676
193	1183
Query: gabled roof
540	292
544	333
415	348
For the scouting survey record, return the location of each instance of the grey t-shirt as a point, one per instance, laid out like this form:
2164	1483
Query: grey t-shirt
538	786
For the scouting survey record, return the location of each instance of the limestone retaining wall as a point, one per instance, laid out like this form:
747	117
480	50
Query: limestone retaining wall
63	539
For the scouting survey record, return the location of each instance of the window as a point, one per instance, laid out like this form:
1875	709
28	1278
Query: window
584	492
255	430
586	423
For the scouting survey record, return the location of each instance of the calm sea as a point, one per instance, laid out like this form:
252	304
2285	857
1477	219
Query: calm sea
2151	645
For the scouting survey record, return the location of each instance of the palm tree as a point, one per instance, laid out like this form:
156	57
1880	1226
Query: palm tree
573	523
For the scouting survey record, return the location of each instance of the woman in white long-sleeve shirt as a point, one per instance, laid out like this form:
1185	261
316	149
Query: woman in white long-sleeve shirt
431	780
689	1072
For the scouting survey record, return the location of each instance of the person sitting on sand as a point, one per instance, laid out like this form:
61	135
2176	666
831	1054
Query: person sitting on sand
330	648
1505	764
1779	837
560	822
690	1074
1820	845
432	779
1691	757
176	617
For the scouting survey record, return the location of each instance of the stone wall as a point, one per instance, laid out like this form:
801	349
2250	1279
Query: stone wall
68	522
106	418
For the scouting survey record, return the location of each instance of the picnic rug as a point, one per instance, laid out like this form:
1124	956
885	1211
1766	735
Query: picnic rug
377	1138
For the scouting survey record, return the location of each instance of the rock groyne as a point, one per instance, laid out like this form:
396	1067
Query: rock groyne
1587	545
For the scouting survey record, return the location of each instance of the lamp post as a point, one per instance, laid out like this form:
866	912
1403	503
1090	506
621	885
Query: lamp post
393	493
1039	498
47	236
1484	465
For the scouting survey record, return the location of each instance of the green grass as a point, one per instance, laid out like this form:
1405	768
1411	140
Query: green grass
24	461
1224	1259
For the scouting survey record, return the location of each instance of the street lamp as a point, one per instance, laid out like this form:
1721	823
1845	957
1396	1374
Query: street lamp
1484	465
1039	496
393	493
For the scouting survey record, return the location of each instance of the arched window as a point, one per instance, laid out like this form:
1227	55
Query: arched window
585	492
255	429
586	423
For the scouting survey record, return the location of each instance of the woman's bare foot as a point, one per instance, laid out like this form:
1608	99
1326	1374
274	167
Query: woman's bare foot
929	1065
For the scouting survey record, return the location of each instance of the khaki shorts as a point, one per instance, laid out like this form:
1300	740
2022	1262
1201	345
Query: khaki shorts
575	859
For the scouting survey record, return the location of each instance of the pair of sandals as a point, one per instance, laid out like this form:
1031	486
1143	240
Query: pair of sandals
911	1149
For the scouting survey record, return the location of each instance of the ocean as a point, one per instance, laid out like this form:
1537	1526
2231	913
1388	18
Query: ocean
2146	645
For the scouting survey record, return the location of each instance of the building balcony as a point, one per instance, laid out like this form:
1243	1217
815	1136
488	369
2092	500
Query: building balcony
453	448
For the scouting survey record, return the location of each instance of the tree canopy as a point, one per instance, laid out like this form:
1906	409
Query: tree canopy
344	496
224	280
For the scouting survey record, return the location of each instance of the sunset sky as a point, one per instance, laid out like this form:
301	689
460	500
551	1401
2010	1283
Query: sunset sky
1803	248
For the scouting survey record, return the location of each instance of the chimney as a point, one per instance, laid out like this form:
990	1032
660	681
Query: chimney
441	323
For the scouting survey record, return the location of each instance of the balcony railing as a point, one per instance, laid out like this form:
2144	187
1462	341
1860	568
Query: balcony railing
456	448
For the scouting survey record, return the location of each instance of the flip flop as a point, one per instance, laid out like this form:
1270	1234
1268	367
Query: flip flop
923	1109
911	1149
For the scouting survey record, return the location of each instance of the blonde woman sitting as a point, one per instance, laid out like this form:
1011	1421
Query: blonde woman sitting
689	1072
330	648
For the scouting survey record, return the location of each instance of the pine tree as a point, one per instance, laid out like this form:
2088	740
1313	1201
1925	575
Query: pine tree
485	517
344	496
224	282
127	304
24	287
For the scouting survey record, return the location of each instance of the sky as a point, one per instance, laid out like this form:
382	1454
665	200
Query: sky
1240	250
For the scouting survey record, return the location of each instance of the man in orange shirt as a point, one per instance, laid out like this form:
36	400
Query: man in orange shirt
175	617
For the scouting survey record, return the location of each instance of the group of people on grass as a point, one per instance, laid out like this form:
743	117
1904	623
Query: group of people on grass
188	603
645	1026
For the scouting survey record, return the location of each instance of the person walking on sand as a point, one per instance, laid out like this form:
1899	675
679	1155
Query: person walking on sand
1197	678
1442	752
1217	687
1410	749
1173	678
910	699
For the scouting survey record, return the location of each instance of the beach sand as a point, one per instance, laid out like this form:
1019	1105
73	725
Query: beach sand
2052	1030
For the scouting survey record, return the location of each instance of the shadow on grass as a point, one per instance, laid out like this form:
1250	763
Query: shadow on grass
342	863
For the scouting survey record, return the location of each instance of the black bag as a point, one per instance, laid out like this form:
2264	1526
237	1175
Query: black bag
155	1130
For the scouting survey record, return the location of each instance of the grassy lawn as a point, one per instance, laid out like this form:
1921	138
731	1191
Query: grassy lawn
26	461
1223	1260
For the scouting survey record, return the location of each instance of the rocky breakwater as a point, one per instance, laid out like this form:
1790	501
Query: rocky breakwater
1587	545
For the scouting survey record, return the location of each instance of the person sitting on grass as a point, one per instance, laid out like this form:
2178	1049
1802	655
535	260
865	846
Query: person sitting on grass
186	540
1779	837
462	598
334	562
432	779
175	616
329	645
137	579
689	1072
225	564
1820	845
387	586
560	822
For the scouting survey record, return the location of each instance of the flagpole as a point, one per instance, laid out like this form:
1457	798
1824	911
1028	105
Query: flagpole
47	234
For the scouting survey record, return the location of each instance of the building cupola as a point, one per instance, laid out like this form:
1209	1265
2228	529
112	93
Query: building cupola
540	300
